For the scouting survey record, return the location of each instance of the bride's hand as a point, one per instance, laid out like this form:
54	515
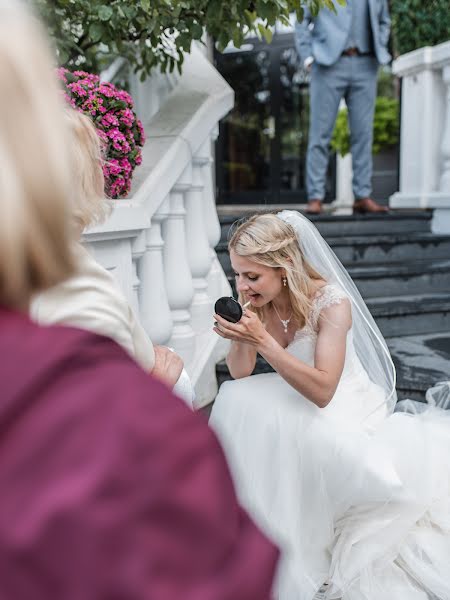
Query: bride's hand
249	330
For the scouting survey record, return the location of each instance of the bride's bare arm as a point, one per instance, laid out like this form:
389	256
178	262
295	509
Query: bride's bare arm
317	383
241	360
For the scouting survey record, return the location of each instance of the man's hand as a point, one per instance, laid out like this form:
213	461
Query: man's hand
307	63
168	365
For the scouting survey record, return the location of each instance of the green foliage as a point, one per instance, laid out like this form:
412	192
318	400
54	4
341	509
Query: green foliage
385	127
90	33
418	23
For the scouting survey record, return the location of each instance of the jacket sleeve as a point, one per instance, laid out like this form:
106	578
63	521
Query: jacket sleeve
303	43
92	301
385	23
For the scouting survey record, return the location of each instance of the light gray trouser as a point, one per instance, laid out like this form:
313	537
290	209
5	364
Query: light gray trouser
355	79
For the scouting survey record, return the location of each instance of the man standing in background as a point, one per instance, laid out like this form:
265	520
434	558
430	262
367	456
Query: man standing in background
343	51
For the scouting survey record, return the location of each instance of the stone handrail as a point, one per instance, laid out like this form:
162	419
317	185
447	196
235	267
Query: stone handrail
159	243
425	133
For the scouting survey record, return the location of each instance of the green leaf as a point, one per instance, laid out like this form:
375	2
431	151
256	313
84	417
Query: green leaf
265	32
96	31
105	13
197	31
124	27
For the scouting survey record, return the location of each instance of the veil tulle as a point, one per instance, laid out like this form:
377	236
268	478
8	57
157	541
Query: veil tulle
369	343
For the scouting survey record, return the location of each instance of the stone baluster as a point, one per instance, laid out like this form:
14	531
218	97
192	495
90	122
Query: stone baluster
445	145
179	285
211	218
198	249
154	305
137	252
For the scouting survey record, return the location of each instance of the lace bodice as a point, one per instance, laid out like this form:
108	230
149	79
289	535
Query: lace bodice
325	297
304	343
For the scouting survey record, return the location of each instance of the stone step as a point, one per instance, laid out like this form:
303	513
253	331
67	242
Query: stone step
331	225
375	224
370	249
420	277
390	248
421	361
397	279
411	314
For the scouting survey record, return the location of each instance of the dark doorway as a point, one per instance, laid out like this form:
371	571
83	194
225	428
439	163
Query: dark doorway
261	149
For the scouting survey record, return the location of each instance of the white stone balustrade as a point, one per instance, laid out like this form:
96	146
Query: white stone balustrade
212	219
178	276
159	243
198	251
425	133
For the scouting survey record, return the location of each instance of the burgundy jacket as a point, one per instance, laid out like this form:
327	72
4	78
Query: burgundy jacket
110	487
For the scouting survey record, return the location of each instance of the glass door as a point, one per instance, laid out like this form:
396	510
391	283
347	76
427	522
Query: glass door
261	149
246	134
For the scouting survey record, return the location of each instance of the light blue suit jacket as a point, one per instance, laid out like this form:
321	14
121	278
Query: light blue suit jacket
325	36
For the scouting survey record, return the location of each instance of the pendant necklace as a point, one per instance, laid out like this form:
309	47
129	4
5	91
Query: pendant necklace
284	322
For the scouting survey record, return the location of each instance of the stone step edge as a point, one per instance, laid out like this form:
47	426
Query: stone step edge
408	304
419	215
392	239
395	268
377	239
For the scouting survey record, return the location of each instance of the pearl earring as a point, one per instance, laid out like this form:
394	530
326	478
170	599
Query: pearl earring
284	281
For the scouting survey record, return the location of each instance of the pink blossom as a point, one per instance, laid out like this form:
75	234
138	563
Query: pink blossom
119	130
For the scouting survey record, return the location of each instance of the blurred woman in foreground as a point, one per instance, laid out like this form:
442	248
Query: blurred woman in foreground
110	486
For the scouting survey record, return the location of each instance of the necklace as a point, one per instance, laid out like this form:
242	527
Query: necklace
284	322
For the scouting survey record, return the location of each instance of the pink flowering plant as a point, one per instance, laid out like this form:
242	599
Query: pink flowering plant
117	125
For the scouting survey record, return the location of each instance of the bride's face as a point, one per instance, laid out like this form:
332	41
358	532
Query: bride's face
257	283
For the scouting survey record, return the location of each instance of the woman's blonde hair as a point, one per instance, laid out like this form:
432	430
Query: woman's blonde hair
35	227
269	241
90	206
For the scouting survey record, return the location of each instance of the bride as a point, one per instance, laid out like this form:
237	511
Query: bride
357	498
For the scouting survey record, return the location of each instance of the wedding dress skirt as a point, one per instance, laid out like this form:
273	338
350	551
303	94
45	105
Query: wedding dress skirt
363	505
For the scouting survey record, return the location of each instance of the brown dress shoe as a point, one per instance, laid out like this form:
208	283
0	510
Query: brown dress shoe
314	207
367	205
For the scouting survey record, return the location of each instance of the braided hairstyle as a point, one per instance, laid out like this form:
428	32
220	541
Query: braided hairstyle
269	241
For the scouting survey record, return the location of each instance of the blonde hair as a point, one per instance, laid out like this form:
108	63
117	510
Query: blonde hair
269	241
35	183
90	206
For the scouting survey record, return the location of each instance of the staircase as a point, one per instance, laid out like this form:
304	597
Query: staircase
403	273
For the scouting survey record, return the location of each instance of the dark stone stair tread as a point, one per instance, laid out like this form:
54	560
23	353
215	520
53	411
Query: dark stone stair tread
378	239
395	269
399	269
421	360
227	217
410	304
387	239
418	215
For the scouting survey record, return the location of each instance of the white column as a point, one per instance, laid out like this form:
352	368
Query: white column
179	285
343	203
155	310
198	249
445	145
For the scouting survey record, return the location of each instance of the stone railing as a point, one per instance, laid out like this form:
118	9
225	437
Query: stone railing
425	133
159	243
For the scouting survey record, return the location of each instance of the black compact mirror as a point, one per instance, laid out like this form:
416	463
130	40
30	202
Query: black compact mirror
228	308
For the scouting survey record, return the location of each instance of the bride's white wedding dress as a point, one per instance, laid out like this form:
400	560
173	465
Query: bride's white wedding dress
362	503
